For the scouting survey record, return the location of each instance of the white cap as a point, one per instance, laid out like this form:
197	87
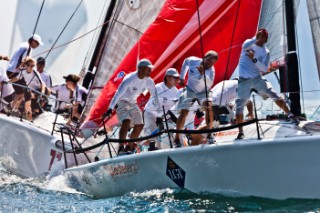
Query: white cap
172	72
145	63
37	38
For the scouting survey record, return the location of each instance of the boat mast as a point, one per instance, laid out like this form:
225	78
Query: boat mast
292	74
97	54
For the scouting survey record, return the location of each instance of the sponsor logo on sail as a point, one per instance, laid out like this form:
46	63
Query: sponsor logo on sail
120	75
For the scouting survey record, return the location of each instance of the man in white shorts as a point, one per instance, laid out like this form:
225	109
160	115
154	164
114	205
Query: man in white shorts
125	98
7	92
222	95
254	61
199	70
167	95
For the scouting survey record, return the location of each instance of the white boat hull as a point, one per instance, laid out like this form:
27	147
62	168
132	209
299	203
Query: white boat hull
26	150
287	167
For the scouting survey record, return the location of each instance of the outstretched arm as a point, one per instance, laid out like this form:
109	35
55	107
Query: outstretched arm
183	73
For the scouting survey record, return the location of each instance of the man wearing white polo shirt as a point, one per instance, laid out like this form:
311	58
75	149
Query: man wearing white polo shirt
125	98
254	62
200	79
167	95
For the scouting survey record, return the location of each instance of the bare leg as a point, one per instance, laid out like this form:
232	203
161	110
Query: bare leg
239	118
180	122
197	138
125	126
282	104
17	101
209	114
75	112
135	134
28	110
250	110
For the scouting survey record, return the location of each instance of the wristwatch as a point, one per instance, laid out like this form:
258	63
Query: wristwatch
254	60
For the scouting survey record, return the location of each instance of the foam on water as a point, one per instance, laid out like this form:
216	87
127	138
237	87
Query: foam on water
42	194
58	183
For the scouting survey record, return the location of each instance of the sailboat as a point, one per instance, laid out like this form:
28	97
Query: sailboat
278	158
29	149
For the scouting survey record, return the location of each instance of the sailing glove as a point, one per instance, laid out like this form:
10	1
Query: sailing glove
199	113
107	113
159	122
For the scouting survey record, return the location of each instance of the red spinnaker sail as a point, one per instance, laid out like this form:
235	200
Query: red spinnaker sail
174	35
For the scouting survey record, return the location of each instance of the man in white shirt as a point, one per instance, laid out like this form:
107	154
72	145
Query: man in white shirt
63	98
167	95
25	49
6	89
254	61
200	80
79	95
125	98
46	78
222	95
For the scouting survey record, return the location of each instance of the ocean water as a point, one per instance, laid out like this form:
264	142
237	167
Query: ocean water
42	195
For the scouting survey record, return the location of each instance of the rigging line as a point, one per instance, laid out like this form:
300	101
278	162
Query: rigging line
112	12
91	45
106	141
63	29
73	40
229	54
97	52
201	48
272	15
204	70
35	26
139	41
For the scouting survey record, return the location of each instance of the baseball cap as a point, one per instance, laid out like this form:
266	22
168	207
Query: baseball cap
72	77
145	63
41	60
172	72
37	38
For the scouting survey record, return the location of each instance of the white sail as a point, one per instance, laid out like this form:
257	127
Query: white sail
272	19
123	33
314	16
18	19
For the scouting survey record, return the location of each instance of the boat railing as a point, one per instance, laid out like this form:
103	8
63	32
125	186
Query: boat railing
40	96
64	130
107	140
